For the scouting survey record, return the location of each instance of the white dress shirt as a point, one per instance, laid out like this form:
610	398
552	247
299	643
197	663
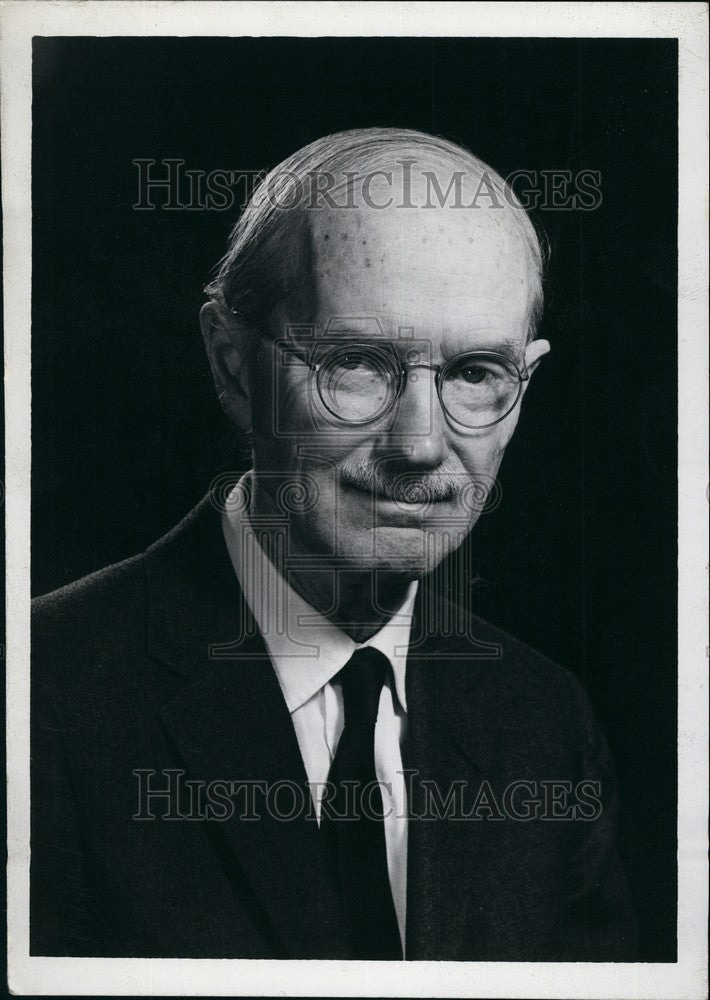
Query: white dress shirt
307	651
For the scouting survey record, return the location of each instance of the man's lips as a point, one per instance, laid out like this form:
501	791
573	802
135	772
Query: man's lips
411	499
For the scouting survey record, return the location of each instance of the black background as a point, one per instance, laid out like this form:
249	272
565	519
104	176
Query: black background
579	559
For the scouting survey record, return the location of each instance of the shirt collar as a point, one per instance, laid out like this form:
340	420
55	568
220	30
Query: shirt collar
306	649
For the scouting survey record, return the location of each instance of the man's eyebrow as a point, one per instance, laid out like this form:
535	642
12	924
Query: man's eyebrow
509	347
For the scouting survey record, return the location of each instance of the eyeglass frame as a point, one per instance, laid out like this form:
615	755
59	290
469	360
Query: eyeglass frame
401	370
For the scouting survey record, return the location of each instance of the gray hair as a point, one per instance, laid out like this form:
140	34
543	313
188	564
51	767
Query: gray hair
267	256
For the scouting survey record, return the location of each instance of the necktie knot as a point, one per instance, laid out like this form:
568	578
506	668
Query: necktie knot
362	679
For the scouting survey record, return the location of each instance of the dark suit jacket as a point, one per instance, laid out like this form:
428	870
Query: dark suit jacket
123	679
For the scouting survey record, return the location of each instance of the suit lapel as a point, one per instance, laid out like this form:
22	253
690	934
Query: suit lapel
444	746
228	722
231	724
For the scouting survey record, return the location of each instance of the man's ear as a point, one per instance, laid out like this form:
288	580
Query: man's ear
226	341
534	352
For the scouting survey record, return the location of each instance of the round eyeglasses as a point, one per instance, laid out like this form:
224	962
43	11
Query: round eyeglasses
360	383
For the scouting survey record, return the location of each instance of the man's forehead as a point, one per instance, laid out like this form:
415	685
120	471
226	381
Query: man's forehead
431	197
417	235
399	262
346	233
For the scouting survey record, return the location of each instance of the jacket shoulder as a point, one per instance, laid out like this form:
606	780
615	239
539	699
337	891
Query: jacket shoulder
518	656
507	672
457	631
90	621
91	594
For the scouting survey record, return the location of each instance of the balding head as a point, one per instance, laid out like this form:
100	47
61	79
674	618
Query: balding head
405	188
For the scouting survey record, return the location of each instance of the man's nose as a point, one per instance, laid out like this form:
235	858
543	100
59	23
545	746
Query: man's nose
418	427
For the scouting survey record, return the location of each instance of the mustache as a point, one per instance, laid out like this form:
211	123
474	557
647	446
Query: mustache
405	487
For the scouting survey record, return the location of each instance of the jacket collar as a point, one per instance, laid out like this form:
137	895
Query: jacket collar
194	604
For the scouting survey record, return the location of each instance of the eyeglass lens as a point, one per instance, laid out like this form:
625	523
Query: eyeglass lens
359	384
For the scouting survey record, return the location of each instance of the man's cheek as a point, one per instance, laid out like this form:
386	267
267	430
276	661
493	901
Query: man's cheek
482	458
294	402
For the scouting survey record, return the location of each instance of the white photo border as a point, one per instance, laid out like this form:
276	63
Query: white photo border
20	20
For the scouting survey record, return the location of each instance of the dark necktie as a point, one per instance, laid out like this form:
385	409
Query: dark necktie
356	845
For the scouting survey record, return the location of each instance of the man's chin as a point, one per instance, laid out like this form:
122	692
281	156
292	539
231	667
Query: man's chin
410	551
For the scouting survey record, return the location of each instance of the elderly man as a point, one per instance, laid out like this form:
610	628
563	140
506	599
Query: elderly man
269	735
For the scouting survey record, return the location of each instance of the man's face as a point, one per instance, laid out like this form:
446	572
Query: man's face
440	282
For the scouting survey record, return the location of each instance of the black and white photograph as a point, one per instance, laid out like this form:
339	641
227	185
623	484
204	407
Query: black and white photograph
356	497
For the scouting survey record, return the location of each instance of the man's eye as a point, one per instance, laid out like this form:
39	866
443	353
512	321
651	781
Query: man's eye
473	374
359	362
476	373
353	362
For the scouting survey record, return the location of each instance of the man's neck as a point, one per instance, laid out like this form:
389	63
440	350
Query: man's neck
359	601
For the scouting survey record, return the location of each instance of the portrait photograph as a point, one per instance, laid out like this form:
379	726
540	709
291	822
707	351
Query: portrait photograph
356	498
